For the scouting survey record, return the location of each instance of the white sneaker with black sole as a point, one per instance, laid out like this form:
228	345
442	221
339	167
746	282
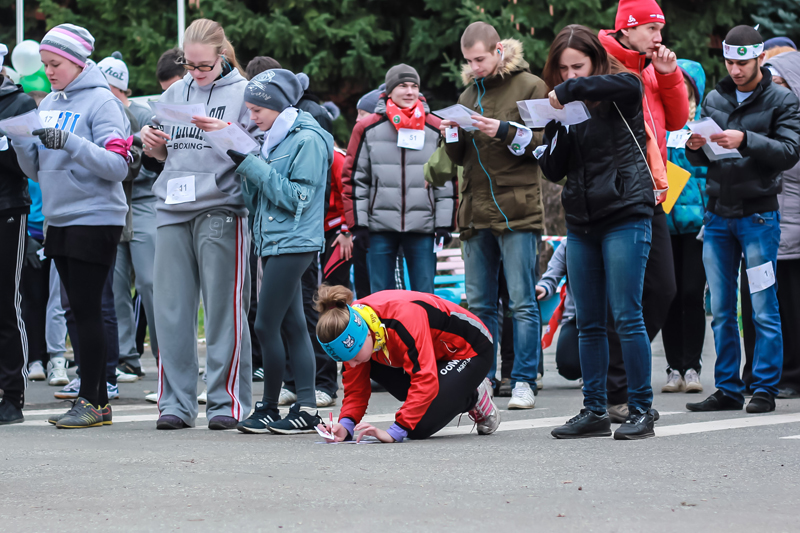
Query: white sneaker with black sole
299	420
202	398
57	372
152	397
286	397
113	391
36	371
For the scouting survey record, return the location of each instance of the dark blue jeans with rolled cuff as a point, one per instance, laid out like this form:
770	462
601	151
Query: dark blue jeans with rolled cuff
724	241
606	269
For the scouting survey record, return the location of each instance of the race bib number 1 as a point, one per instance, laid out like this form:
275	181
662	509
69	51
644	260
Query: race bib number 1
180	190
411	139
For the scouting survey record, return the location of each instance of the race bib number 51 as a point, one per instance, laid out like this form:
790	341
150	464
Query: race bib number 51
411	139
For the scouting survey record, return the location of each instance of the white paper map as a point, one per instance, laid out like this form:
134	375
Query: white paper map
177	113
706	127
537	113
22	126
460	114
234	137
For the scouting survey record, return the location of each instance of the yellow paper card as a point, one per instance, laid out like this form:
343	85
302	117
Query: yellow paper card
678	178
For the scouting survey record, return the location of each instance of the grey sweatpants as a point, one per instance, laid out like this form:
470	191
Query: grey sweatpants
208	254
136	256
55	330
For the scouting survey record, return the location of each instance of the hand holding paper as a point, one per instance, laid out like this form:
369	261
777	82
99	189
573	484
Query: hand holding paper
458	114
537	113
177	113
708	128
21	127
232	137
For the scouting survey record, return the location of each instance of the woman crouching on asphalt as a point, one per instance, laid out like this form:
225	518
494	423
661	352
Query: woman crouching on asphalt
430	354
609	201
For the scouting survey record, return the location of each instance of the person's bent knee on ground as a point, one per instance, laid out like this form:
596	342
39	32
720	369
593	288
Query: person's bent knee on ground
427	352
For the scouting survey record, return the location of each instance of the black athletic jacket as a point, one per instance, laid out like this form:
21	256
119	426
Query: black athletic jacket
607	175
770	121
14	195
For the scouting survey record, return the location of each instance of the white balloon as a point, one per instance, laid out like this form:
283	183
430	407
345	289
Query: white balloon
25	58
12	74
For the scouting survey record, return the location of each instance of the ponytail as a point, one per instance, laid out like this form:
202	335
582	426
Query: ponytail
331	301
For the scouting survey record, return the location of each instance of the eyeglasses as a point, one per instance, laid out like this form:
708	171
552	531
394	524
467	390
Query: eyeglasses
202	68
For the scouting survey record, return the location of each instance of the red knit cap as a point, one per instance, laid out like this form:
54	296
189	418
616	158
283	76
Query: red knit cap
631	13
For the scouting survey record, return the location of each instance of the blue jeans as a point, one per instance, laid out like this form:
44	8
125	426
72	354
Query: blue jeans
606	268
724	241
482	256
418	251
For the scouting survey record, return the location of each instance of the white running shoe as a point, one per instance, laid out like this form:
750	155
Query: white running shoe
485	413
70	392
122	377
36	371
287	397
57	372
202	398
692	380
152	397
674	383
539	382
522	397
324	399
113	391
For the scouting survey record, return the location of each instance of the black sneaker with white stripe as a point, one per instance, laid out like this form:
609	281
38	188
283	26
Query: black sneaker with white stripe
297	421
259	420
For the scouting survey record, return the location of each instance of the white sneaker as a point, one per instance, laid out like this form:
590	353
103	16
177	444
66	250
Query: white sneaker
324	399
692	380
152	397
674	383
485	413
57	372
122	377
69	392
539	382
36	371
202	398
287	397
113	391
522	397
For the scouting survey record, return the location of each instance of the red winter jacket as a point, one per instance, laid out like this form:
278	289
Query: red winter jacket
335	216
666	103
419	333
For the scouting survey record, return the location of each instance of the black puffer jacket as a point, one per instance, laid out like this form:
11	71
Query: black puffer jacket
770	121
13	183
607	175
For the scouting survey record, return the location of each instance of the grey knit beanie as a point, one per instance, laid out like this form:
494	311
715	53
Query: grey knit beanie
400	74
274	89
369	101
69	41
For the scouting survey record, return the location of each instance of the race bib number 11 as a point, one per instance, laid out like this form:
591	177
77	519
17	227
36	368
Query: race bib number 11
180	190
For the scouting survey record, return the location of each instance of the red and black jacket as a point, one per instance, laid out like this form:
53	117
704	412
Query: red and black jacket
421	330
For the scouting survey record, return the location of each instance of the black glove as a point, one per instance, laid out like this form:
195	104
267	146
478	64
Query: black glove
360	236
32	259
52	138
443	233
237	157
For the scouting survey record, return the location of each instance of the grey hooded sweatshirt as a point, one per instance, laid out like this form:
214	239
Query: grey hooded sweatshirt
188	154
81	184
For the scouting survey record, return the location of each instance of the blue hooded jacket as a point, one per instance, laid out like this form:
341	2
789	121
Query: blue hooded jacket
687	215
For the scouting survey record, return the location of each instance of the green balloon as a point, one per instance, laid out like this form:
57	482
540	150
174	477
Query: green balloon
35	82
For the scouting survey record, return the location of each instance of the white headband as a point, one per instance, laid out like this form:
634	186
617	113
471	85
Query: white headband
742	52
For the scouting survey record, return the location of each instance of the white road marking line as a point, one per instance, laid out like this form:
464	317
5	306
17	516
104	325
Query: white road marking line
730	423
792	437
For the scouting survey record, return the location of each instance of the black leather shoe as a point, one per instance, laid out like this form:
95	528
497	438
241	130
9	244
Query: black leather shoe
583	426
716	402
10	414
761	402
639	425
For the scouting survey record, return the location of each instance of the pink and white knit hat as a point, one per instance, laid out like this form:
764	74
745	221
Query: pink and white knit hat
69	41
